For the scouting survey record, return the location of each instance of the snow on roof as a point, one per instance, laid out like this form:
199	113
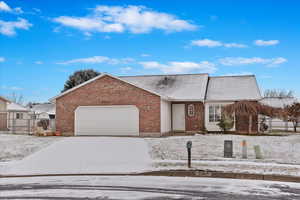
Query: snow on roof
278	102
232	88
48	108
184	87
16	107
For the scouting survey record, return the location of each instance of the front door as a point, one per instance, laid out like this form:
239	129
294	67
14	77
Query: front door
178	117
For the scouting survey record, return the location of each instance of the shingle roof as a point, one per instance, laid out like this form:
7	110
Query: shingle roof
183	87
278	102
16	107
44	108
232	88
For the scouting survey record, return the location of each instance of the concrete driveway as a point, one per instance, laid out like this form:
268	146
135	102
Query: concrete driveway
85	155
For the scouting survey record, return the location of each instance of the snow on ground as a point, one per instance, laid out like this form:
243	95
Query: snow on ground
85	155
16	147
231	167
279	149
145	187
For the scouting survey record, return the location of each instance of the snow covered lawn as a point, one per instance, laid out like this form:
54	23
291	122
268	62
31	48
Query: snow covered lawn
281	154
279	149
16	147
85	155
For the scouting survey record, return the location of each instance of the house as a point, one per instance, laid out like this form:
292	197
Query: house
18	118
151	105
278	102
43	110
3	113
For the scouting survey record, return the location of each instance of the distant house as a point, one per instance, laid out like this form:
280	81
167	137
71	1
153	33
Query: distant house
152	105
18	117
3	113
43	110
278	102
13	117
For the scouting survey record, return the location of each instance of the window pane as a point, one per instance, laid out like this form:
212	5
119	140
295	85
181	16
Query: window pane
211	118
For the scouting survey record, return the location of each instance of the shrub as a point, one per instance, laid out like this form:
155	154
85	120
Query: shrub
226	123
43	123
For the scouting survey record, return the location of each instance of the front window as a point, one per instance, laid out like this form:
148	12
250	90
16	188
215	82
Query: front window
19	115
215	112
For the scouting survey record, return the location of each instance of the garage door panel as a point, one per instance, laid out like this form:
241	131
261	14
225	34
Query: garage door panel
107	120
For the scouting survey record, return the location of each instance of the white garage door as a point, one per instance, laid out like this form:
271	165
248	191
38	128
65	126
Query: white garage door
107	120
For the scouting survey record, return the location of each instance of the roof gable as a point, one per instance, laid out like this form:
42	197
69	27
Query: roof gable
98	77
232	88
16	107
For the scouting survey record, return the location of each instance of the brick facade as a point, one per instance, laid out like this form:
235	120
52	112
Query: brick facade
242	124
196	122
109	91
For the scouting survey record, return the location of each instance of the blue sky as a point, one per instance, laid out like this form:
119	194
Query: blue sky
43	42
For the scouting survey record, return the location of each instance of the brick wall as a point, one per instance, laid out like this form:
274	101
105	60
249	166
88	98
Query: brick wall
242	124
196	122
109	91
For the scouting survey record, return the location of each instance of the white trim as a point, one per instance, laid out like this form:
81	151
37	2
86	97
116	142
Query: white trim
98	77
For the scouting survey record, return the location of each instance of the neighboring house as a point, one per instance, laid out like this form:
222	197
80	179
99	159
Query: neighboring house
18	117
3	113
43	110
151	105
278	102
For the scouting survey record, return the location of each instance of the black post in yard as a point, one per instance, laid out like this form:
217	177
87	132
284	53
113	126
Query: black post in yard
189	148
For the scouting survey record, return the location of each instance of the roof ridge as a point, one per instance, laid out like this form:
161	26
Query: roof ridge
233	76
164	75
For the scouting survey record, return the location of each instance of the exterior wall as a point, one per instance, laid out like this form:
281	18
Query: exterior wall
165	114
109	91
196	122
242	124
3	116
2	105
212	126
18	122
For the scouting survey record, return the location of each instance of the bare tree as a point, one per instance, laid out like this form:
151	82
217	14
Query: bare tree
16	98
292	114
278	93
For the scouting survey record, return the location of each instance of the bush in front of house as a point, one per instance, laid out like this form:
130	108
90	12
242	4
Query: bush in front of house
226	123
44	123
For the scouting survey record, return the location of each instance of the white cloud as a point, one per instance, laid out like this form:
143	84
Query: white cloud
125	69
238	74
11	87
4	7
234	45
206	43
232	61
181	67
9	27
215	43
135	19
97	59
145	55
38	62
266	42
2	59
